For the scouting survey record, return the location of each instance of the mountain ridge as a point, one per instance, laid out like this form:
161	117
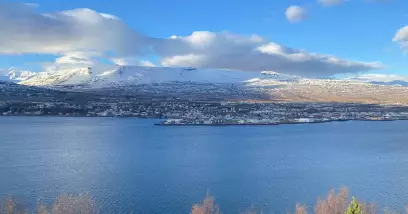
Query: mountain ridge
181	81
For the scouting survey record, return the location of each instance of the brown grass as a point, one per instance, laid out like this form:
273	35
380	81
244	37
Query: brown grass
338	203
81	204
333	203
301	209
369	208
64	204
42	209
207	206
12	207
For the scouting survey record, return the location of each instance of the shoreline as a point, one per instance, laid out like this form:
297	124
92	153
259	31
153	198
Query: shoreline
275	124
192	124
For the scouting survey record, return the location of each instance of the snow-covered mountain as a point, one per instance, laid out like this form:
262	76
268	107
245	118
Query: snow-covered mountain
139	75
60	77
192	82
15	75
18	75
135	75
271	75
382	79
393	82
117	76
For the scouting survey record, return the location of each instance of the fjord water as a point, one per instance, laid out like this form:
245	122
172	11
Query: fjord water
131	165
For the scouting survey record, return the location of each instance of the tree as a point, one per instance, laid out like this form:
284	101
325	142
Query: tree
354	207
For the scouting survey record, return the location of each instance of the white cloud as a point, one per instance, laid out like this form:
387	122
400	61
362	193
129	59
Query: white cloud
131	61
230	51
146	63
181	60
201	38
401	37
329	3
77	57
371	77
73	60
24	30
82	36
295	14
124	61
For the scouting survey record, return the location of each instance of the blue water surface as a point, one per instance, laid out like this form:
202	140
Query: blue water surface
129	164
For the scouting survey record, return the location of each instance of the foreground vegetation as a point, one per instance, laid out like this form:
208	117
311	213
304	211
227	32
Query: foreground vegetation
64	204
334	203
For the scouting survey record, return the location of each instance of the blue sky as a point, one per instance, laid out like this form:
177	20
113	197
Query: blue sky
356	30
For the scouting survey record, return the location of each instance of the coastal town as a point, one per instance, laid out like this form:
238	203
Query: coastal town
176	112
246	113
17	100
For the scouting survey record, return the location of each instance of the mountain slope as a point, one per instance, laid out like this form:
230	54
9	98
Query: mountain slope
18	75
198	83
394	82
61	77
133	75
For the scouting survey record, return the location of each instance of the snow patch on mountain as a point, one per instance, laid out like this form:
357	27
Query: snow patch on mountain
18	75
382	79
128	75
62	77
116	76
271	78
15	75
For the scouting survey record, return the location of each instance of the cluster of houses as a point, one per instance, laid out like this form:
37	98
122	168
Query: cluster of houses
18	100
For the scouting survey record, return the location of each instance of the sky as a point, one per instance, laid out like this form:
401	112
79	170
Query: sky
318	38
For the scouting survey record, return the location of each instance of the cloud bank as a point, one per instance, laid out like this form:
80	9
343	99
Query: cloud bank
402	38
24	30
230	51
381	78
82	36
131	61
295	14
